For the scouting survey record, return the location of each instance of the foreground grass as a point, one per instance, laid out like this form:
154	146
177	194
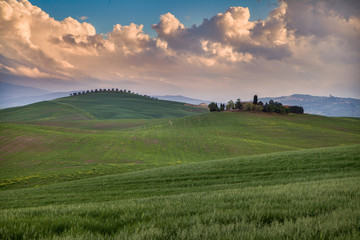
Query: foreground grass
307	194
48	152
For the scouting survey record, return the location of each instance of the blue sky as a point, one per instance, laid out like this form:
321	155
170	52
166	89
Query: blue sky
103	14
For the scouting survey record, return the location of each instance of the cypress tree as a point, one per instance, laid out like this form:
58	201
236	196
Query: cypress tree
255	102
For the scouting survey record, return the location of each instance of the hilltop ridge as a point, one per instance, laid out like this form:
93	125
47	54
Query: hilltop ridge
100	105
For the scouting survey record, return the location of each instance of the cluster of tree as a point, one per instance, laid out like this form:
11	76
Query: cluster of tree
255	106
275	107
296	109
214	107
107	90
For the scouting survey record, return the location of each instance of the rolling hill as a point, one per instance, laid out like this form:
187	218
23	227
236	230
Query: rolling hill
82	149
101	105
122	166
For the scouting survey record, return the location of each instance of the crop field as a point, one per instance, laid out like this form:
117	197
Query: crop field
48	152
305	194
99	167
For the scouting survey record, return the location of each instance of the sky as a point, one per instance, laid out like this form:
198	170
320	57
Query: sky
211	50
104	14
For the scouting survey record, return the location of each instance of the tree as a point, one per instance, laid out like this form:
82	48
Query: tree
213	107
266	107
255	100
222	106
238	104
249	106
296	109
275	107
230	105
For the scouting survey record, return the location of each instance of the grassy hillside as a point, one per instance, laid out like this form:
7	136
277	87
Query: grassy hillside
79	168
48	152
102	105
306	194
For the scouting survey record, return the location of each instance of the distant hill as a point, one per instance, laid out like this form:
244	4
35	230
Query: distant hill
326	106
12	95
102	105
8	90
179	98
21	101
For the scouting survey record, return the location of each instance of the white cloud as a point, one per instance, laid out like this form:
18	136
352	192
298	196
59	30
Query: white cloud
168	25
129	39
302	45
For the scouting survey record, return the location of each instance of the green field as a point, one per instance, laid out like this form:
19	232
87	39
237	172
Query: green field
101	105
92	169
306	194
48	152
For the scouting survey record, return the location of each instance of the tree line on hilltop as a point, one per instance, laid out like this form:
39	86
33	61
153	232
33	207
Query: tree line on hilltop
107	90
271	106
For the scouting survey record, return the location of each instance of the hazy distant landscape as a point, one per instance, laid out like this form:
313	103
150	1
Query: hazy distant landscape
12	95
326	106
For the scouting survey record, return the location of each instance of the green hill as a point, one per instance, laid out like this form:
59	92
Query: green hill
306	194
78	168
45	152
101	105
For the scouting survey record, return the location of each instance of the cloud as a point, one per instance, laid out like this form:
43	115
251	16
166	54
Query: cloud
268	38
168	25
83	18
28	72
301	45
129	39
